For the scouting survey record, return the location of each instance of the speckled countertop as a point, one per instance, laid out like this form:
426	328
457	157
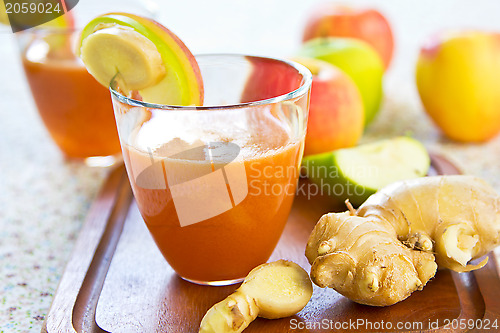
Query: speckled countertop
44	199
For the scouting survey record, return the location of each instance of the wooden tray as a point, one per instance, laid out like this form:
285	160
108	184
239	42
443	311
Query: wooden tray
117	281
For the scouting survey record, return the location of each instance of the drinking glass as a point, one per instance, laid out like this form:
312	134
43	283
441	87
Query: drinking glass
74	107
215	183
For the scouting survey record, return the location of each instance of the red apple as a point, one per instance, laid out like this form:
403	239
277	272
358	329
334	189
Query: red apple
367	24
336	112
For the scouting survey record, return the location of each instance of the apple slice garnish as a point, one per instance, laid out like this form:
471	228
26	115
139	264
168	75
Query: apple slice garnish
149	58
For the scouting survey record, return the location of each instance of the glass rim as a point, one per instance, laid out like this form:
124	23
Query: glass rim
49	30
300	91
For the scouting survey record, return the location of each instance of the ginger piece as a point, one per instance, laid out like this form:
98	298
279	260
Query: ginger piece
273	290
393	244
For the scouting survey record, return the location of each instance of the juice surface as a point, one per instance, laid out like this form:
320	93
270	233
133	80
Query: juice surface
75	108
228	245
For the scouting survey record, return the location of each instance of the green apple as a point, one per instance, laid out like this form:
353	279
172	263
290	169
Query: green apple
148	56
358	60
356	173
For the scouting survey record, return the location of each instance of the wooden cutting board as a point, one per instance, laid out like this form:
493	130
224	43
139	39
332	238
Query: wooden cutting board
117	281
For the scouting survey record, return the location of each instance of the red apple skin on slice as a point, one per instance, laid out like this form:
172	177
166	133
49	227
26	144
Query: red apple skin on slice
183	81
188	55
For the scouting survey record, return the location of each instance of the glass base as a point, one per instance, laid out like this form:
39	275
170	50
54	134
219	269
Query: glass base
102	161
215	283
98	161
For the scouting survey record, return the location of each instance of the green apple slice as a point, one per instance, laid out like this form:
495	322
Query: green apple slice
149	58
356	173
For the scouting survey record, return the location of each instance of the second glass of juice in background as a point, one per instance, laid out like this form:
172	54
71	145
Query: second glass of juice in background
215	183
74	107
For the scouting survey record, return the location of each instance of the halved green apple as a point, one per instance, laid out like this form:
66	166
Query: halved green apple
149	57
356	173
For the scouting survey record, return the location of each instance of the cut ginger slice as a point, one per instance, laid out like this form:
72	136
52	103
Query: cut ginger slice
274	290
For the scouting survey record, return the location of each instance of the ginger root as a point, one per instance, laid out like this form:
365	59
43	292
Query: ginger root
393	244
273	290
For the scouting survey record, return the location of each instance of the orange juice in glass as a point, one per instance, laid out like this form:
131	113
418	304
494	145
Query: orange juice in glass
215	183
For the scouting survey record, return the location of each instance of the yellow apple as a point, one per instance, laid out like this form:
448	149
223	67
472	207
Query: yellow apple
457	77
